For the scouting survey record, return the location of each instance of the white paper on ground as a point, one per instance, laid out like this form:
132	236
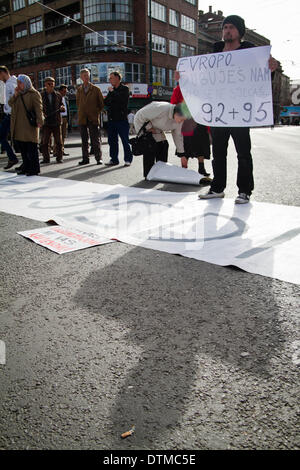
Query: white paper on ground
64	239
165	172
258	237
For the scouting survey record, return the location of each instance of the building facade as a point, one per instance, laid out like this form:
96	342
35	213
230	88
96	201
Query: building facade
58	38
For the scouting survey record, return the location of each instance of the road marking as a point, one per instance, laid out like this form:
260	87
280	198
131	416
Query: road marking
2	353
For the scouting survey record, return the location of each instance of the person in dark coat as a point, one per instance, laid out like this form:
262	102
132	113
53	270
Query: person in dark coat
233	31
116	103
52	107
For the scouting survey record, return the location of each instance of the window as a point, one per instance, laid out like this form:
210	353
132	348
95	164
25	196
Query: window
159	44
38	51
188	24
172	82
18	4
158	11
108	40
159	75
173	48
135	73
63	76
22	56
31	2
20	30
42	75
187	50
107	10
36	25
193	2
174	18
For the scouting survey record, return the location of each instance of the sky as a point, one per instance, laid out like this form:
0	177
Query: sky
277	20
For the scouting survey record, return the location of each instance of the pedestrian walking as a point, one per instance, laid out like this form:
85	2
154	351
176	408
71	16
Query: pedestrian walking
27	100
195	138
10	83
90	103
52	107
233	29
116	102
160	116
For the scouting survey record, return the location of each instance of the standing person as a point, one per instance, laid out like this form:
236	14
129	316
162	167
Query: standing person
161	116
26	135
130	118
63	89
233	31
52	107
195	138
10	82
90	103
117	104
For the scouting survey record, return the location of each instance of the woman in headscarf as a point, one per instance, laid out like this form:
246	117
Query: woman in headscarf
26	99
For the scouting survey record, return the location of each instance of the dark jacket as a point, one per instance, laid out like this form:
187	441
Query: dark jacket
219	46
52	110
117	103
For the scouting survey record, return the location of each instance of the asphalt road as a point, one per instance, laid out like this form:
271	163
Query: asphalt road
196	356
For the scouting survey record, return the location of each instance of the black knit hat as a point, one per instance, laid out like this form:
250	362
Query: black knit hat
237	21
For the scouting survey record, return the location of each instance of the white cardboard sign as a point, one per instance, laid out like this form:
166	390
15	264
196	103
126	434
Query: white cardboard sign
63	240
228	89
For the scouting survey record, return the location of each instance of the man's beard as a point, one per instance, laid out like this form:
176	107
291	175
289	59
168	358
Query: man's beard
228	39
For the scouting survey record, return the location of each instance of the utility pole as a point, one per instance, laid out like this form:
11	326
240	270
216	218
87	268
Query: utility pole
150	44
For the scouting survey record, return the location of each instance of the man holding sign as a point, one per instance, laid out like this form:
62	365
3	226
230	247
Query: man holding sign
235	94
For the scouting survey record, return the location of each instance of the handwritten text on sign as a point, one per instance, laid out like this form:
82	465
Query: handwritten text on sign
228	88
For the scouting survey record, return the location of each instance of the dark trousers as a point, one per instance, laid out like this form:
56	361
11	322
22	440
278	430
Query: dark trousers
115	129
93	130
242	142
4	131
30	157
47	131
160	154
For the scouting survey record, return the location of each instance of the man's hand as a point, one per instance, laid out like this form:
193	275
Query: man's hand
17	91
62	108
273	64
110	88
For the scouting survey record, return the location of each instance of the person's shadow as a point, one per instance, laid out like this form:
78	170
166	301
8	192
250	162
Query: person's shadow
180	317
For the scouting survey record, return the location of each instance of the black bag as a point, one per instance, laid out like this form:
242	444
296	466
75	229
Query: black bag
31	116
143	143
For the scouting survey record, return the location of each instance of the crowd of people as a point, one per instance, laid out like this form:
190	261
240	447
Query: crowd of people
34	118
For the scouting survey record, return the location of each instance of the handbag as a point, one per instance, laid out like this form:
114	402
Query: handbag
143	143
31	116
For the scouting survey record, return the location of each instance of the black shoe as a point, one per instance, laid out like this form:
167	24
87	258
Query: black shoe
10	164
21	172
111	163
100	162
201	170
59	161
19	168
31	174
84	162
45	162
65	154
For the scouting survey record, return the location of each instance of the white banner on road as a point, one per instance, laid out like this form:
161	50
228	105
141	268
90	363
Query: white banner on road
258	237
64	240
228	89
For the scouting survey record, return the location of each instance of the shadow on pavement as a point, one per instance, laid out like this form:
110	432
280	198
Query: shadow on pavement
173	315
